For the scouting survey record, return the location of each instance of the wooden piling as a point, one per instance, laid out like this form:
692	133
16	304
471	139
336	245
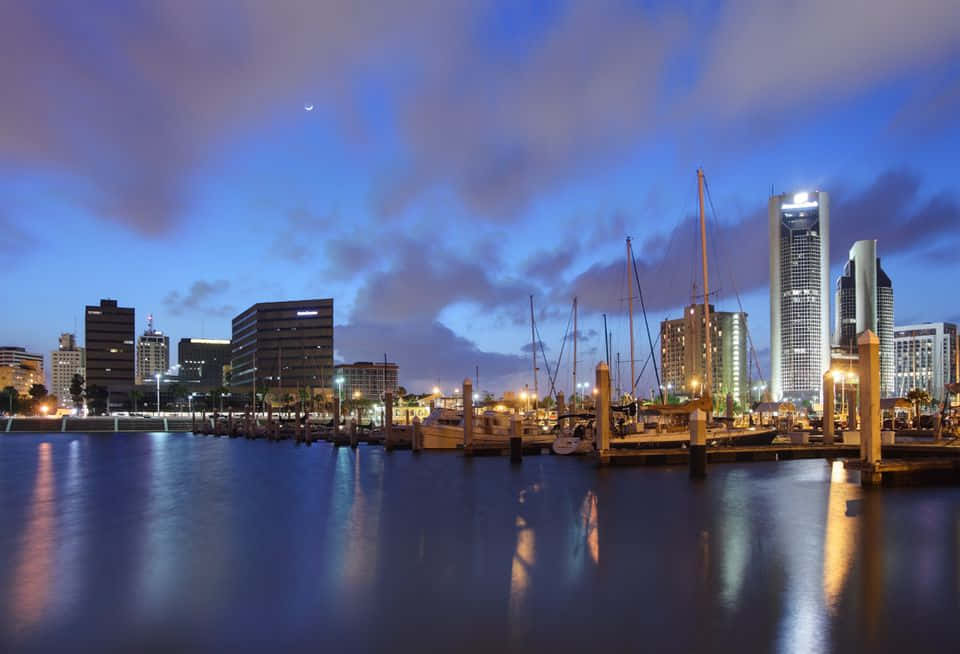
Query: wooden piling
516	440
868	351
698	444
354	438
602	408
828	408
417	442
467	413
388	420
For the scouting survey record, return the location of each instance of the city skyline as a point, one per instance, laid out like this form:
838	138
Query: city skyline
431	200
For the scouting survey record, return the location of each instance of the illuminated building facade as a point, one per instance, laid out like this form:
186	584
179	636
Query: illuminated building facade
864	300
683	353
926	358
20	369
799	294
284	346
371	380
65	362
153	354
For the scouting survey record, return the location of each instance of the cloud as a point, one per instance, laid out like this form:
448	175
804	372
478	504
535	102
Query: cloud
429	354
891	209
200	298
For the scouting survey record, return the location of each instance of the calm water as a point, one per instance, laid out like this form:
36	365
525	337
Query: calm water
159	542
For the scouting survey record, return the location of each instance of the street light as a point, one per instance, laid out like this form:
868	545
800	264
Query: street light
339	382
158	392
190	402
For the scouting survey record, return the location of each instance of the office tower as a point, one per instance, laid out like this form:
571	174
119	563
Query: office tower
20	369
927	357
864	300
371	380
284	346
153	353
683	353
799	294
202	360
110	349
65	362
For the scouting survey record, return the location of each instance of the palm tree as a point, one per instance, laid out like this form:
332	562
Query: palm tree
919	396
11	396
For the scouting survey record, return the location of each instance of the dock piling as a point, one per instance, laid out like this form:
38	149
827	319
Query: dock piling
467	413
698	444
388	420
354	439
603	408
417	442
516	441
868	349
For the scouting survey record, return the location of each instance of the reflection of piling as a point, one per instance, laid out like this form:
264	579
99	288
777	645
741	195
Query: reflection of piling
388	420
698	444
828	408
602	408
417	443
516	440
467	413
868	349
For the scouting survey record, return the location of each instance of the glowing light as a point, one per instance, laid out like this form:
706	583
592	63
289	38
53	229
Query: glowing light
306	313
210	341
800	198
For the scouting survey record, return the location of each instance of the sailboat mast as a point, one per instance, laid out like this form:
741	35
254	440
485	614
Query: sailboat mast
708	376
633	376
574	351
533	348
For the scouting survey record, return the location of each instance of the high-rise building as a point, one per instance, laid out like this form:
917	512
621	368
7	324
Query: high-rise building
153	353
110	346
65	362
284	346
683	353
864	300
927	357
799	294
201	360
20	369
371	380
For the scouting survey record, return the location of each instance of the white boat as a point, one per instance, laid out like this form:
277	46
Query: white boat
443	429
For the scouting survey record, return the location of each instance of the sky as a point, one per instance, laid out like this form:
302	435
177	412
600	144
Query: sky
461	156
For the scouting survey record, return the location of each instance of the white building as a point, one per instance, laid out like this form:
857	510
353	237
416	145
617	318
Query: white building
926	357
65	362
799	294
153	353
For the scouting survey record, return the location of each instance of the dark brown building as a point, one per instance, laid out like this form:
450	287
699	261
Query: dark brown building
287	345
110	347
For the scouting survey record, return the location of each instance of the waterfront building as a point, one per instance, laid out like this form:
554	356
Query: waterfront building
683	353
864	300
20	369
927	357
368	378
799	294
201	360
283	346
153	353
65	362
110	350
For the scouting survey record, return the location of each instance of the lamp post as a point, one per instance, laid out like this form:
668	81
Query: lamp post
157	376
190	403
339	382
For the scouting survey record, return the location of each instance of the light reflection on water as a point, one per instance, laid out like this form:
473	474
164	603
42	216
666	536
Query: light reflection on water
172	542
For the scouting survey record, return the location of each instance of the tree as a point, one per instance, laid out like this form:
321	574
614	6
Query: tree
401	391
38	392
10	399
919	397
135	397
178	391
97	399
547	402
76	391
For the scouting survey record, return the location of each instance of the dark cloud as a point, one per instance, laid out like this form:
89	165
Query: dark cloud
200	298
429	354
891	209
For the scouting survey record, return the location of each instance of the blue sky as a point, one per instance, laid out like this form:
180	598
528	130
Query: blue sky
460	157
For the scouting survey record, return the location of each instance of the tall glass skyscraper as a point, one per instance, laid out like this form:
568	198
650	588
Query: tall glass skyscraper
799	294
864	300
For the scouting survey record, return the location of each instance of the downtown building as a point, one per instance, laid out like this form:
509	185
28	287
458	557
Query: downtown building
799	295
368	379
683	353
110	350
202	361
927	358
283	347
20	369
153	354
864	300
65	362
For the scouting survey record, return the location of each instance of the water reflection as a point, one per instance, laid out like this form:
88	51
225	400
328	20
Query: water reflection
34	569
524	557
840	536
734	528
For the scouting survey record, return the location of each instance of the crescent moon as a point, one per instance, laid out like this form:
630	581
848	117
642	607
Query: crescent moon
308	107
